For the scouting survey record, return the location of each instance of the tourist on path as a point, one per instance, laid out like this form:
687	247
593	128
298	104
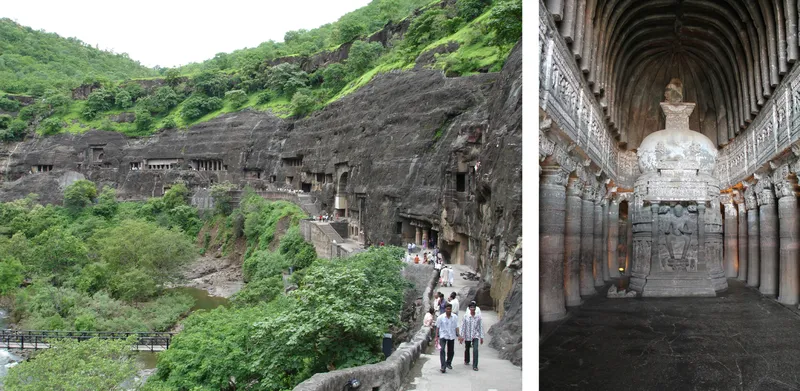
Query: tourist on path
442	303
451	275
472	332
446	333
443	276
438	267
454	302
416	258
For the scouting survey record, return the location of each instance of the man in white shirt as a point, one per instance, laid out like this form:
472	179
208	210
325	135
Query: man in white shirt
454	302
446	333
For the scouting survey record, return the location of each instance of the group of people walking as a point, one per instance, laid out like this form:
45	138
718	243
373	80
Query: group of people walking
447	329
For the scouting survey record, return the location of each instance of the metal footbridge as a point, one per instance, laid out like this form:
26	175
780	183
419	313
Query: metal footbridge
40	339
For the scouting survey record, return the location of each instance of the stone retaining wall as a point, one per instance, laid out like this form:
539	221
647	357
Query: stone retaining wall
387	375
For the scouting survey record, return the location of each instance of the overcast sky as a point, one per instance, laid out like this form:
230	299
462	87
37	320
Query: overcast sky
170	33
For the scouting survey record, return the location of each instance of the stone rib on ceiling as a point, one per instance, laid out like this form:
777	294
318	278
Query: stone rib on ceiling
729	54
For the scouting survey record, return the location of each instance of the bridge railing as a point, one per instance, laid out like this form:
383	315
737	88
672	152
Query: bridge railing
39	339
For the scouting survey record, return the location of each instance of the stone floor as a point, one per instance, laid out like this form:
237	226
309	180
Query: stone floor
494	373
739	340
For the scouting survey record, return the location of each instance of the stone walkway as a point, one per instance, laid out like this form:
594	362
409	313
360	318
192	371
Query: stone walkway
739	340
494	374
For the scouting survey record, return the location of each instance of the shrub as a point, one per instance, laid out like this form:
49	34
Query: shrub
143	120
51	126
16	131
211	83
197	106
80	194
123	99
303	102
99	100
265	96
222	198
162	101
286	79
236	97
471	9
362	56
8	104
169	123
5	121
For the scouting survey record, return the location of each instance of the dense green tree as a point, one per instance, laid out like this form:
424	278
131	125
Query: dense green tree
142	245
5	121
220	192
123	99
505	20
8	104
237	98
79	194
11	274
286	79
106	203
334	76
197	106
211	83
143	120
471	9
99	100
362	56
51	126
70	365
55	251
177	195
303	102
348	29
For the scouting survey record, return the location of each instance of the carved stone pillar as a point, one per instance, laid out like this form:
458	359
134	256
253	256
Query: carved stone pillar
587	241
597	262
552	210
604	242
713	254
613	237
418	237
789	234
642	232
654	206
572	243
742	238
768	227
731	236
753	247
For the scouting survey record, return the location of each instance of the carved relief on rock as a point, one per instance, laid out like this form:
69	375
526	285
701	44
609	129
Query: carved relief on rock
677	234
750	198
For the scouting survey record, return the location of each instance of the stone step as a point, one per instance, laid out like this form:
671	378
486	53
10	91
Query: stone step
681	285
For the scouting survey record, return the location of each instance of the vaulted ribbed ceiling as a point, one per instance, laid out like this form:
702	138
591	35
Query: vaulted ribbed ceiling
729	54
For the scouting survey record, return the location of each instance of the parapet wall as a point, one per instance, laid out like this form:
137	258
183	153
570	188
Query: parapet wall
387	375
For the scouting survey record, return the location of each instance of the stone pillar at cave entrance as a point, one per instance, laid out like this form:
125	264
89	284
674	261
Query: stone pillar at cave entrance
789	236
742	238
572	244
613	237
768	238
753	247
731	236
418	237
597	263
425	237
552	208
587	240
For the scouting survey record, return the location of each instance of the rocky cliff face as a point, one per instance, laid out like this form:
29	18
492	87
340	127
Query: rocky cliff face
410	149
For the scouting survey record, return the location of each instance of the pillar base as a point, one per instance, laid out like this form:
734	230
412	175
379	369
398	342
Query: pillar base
552	317
574	303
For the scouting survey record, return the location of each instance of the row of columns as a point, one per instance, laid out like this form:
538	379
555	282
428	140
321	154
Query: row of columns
762	235
578	231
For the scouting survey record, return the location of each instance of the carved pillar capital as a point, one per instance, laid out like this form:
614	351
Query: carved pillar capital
764	192
589	192
554	175
750	198
574	187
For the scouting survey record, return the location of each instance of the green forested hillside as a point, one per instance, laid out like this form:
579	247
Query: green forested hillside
33	61
460	38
